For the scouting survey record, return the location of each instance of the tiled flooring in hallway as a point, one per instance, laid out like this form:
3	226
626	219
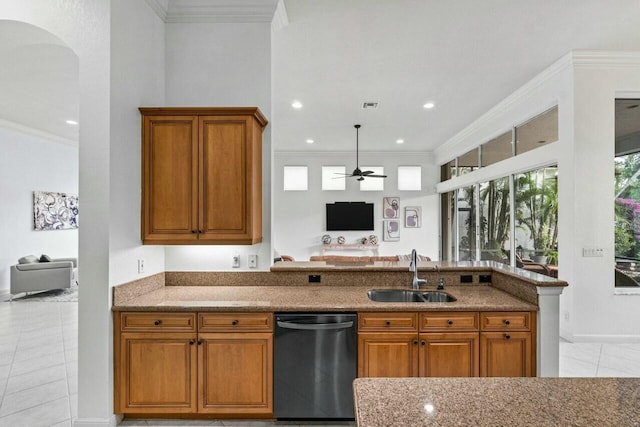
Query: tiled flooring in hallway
39	367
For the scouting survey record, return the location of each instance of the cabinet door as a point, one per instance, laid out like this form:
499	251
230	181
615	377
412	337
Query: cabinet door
170	179
449	355
236	373
505	354
157	373
227	154
387	355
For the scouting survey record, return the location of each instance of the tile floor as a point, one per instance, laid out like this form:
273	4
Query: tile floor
39	368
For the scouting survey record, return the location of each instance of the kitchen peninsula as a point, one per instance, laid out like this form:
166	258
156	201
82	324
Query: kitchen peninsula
503	322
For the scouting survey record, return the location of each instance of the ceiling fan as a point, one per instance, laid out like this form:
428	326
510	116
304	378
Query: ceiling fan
357	172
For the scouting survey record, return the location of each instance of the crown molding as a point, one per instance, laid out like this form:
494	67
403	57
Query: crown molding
515	98
221	11
605	59
280	17
341	154
159	7
20	128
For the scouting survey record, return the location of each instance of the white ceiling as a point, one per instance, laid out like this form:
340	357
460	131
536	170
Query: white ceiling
464	55
38	81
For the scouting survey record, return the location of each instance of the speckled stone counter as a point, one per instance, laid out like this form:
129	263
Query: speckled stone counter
311	298
585	402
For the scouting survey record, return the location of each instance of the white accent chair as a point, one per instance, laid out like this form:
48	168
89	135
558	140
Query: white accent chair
31	275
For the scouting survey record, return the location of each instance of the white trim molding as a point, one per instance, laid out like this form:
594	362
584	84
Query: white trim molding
549	331
221	11
17	127
280	17
112	421
159	7
605	59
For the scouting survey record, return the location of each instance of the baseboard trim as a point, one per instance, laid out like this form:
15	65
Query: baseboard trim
112	421
614	339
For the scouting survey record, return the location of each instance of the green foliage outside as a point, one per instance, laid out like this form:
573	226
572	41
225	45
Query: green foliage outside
627	206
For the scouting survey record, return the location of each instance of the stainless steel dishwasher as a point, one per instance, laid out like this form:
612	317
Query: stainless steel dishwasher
315	363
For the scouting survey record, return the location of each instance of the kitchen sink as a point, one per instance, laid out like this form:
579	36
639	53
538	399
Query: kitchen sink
404	295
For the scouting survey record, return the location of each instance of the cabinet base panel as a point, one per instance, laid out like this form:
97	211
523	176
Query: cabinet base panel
200	416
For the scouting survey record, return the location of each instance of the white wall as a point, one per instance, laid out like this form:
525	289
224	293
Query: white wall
137	79
222	65
597	313
32	163
299	216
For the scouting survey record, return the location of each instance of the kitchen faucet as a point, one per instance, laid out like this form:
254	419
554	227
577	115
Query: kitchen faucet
413	266
440	278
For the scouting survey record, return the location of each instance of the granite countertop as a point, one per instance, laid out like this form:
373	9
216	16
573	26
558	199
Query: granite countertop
497	402
312	298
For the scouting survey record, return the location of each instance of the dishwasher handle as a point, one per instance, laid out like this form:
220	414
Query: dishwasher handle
315	326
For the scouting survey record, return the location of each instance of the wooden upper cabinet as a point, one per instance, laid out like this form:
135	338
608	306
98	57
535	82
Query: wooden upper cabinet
202	175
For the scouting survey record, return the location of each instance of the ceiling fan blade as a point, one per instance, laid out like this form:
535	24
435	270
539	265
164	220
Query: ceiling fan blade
361	178
376	176
367	172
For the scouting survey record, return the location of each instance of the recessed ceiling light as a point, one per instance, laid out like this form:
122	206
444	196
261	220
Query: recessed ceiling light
310	141
72	122
399	141
429	105
296	104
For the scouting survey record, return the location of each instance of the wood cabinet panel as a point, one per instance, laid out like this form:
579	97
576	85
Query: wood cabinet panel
158	322
449	355
506	321
170	178
505	354
235	322
391	321
387	355
157	374
236	373
448	321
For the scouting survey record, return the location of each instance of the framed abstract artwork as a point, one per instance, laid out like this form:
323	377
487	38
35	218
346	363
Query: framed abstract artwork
390	207
391	230
413	216
54	211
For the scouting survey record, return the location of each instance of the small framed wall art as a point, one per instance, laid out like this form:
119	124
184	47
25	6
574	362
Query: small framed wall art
390	207
413	216
391	230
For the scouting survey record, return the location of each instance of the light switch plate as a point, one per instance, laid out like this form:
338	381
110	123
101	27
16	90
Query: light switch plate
590	252
235	261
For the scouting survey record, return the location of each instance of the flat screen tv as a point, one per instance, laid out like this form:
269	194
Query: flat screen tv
345	216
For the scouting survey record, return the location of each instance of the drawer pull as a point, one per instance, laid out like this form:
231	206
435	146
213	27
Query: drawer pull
200	342
449	322
200	231
507	322
234	322
387	322
191	342
193	231
157	322
415	342
507	337
423	342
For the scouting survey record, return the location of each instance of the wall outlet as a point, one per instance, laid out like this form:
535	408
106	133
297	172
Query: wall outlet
253	261
140	266
235	261
566	316
592	252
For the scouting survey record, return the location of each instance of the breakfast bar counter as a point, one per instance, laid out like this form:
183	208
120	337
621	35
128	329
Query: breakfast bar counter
497	402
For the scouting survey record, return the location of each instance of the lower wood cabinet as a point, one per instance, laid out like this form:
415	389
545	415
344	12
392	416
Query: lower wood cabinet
228	372
446	344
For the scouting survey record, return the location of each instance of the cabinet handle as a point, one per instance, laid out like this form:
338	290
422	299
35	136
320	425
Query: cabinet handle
423	342
193	231
234	322
415	342
387	323
450	322
191	342
507	336
200	342
157	322
507	322
200	231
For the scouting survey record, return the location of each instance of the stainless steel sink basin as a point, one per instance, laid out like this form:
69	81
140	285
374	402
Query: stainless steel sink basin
404	295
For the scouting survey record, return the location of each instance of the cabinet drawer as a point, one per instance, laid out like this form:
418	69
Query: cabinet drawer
505	321
388	322
158	322
214	322
448	321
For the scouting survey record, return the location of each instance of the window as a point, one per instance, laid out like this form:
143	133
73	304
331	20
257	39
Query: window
468	162
448	170
372	184
333	178
497	149
467	223
409	178
537	132
627	193
295	178
495	220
